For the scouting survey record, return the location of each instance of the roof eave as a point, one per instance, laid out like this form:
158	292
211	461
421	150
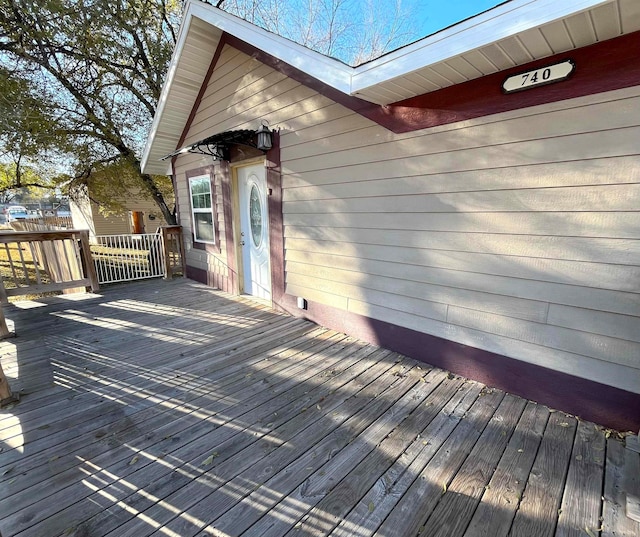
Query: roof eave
486	28
506	20
328	70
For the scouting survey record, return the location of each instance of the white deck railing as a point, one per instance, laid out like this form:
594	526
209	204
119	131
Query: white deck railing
120	258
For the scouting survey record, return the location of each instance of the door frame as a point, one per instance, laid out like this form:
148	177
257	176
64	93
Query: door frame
235	196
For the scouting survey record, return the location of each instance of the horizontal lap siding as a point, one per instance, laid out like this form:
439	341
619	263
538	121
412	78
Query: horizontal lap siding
195	257
240	94
517	233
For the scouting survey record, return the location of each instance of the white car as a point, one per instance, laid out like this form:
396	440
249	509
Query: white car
16	212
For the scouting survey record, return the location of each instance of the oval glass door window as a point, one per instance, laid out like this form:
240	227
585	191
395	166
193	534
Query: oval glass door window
255	215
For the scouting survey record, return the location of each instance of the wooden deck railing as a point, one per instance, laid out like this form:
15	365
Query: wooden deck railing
43	261
38	262
173	247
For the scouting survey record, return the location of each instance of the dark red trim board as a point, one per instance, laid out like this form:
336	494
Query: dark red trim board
199	275
590	400
229	239
604	66
203	88
276	225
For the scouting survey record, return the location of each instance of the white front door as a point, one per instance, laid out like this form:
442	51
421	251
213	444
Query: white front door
254	230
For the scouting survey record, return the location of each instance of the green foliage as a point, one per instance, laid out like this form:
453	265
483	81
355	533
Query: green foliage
21	182
84	79
111	185
25	124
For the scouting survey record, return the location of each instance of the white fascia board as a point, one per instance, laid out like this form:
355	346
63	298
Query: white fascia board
326	69
164	94
498	23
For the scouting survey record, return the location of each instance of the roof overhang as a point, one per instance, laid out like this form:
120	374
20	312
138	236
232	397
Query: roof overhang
511	34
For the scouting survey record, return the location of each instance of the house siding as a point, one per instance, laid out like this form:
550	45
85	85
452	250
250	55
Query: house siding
206	259
86	215
516	233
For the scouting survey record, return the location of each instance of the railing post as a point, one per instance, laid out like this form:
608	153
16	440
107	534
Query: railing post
85	251
4	330
6	396
166	258
183	259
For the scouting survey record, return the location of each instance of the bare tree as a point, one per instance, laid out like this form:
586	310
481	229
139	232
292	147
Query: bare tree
350	30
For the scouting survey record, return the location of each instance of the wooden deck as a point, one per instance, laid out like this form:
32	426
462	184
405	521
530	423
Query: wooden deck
170	409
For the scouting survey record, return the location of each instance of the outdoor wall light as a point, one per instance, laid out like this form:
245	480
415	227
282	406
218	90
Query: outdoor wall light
265	138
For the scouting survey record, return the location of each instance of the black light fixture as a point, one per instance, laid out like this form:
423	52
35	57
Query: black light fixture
264	137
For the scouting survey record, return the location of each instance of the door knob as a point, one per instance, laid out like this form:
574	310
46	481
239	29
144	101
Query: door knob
241	243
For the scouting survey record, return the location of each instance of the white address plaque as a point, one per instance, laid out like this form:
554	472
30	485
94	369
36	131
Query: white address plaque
538	77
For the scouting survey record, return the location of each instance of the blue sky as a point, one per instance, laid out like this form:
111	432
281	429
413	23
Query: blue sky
365	28
434	15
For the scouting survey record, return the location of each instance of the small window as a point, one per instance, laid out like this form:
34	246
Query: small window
202	208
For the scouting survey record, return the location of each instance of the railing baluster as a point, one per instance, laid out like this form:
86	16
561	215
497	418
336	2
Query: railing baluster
13	268
111	264
24	264
59	274
35	263
65	245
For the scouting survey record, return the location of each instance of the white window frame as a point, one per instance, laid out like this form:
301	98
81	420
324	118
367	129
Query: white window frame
199	210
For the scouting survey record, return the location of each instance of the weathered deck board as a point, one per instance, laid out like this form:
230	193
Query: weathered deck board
423	495
332	429
385	494
336	491
452	515
501	498
58	433
305	485
94	447
169	408
252	394
583	490
538	511
621	470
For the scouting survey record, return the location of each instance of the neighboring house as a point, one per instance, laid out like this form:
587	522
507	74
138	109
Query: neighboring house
412	202
143	216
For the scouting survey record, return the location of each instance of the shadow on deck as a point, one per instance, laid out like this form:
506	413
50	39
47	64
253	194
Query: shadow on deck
169	408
